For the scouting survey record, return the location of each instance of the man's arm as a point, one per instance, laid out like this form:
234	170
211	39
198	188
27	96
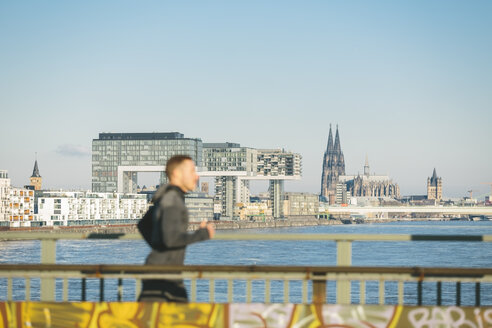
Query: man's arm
174	232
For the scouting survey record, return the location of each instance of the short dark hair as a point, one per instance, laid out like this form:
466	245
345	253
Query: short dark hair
174	162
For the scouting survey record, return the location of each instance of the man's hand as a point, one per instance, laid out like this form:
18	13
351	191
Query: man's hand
210	228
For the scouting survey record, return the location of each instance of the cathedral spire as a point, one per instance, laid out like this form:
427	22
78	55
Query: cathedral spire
329	146
366	167
337	146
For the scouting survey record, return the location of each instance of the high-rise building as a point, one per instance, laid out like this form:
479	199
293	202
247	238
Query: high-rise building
234	166
117	157
36	179
333	167
434	187
230	157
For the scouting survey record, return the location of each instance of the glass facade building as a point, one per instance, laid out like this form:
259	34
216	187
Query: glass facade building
112	150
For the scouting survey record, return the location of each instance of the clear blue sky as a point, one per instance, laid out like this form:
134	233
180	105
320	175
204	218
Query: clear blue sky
409	83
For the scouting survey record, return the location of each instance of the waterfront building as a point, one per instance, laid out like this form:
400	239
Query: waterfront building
342	195
117	157
16	204
4	195
89	208
333	167
300	203
229	156
200	206
369	185
277	164
434	187
233	167
36	179
21	207
253	211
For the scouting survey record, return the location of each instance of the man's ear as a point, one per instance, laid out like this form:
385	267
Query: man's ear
178	172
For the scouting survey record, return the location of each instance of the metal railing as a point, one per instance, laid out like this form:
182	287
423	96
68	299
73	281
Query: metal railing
313	280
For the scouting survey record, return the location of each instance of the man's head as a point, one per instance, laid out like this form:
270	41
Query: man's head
181	172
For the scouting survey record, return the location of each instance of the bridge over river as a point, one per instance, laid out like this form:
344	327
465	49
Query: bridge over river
472	211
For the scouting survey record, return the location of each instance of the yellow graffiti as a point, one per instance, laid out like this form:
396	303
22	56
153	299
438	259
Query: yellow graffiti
202	315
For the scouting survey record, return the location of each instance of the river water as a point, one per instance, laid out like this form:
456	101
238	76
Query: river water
302	253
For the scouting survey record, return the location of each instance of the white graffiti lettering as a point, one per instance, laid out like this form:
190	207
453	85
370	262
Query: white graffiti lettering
449	317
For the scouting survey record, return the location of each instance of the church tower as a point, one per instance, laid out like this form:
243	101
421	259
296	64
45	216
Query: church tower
366	167
333	167
36	178
434	187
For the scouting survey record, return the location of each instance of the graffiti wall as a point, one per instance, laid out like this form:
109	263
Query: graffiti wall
130	315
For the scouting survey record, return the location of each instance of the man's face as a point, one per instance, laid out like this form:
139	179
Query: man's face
189	178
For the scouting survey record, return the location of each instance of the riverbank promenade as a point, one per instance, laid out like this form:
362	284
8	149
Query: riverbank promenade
49	294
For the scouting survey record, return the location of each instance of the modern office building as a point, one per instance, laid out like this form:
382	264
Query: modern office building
229	156
278	162
278	165
118	157
233	167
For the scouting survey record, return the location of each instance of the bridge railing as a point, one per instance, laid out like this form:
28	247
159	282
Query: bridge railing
251	283
311	283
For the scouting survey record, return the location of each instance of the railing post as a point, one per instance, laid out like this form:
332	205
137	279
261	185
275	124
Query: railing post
319	291
48	256
344	258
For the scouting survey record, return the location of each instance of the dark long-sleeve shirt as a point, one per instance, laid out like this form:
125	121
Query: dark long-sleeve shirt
173	216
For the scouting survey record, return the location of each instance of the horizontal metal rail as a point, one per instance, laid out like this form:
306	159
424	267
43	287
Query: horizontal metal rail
14	235
421	272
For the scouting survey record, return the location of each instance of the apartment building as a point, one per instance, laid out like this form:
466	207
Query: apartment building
84	207
300	203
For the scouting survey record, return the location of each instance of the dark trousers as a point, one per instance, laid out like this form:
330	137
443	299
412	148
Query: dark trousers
163	291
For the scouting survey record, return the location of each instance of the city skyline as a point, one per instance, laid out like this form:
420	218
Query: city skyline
408	84
149	180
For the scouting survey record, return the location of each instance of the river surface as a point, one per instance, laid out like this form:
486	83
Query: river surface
301	253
